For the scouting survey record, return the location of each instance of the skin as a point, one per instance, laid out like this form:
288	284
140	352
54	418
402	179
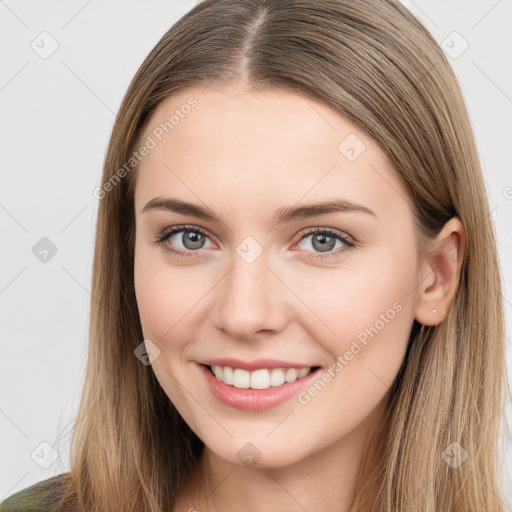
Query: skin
244	155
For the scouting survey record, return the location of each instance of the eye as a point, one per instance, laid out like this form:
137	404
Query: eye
324	240
192	240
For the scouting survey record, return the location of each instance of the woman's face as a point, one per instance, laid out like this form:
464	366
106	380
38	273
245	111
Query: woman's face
249	282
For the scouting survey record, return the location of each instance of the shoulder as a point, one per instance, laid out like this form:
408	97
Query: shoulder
40	497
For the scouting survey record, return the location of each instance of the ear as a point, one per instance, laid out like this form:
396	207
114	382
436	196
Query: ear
439	276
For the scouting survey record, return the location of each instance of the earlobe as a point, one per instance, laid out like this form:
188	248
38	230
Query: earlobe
439	277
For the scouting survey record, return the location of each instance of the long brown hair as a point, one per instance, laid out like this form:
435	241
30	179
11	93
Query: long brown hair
378	65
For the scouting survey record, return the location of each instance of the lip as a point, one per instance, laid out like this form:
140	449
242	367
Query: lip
254	399
256	364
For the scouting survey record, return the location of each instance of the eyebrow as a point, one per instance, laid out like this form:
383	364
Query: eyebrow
282	215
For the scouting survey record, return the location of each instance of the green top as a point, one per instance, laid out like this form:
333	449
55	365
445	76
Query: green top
40	497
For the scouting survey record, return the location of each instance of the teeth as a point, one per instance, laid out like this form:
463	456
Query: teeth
218	371
227	375
303	372
241	378
277	378
291	375
258	379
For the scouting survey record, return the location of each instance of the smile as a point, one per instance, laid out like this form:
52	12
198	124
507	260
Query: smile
258	379
274	388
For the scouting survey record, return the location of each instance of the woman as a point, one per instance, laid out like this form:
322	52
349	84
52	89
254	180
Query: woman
296	292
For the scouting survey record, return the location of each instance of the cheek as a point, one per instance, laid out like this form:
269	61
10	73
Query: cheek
167	297
364	313
366	318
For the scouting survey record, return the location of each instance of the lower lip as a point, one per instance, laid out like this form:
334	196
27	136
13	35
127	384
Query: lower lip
254	399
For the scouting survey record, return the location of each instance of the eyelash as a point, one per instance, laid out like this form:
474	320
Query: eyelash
165	235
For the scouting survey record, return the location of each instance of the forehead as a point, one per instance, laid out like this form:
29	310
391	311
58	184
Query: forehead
238	146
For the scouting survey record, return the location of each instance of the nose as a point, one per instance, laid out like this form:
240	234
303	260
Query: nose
251	299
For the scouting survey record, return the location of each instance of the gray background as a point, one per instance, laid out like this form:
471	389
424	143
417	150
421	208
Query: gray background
57	114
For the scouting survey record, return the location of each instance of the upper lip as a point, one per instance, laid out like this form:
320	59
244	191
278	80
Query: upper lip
255	364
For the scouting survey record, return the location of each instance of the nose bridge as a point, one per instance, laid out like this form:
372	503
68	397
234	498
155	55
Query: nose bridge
250	300
249	275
